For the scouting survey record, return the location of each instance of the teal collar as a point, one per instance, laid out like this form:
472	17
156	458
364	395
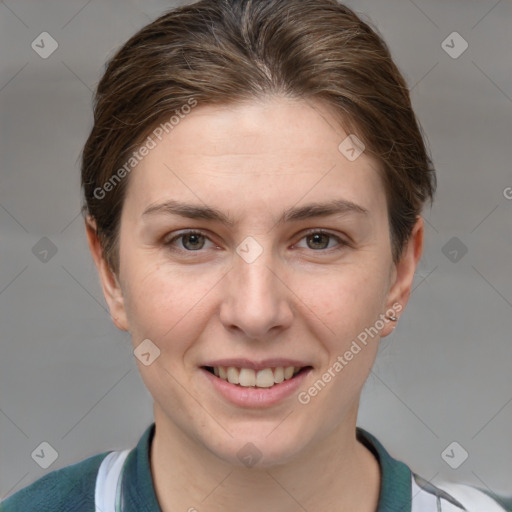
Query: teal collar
138	492
396	477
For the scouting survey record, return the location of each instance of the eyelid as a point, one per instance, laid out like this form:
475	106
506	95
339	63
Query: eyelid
341	241
176	236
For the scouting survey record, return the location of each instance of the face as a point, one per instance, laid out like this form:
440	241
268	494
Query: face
288	265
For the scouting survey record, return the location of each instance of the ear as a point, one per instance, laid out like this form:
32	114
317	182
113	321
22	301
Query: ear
109	281
403	275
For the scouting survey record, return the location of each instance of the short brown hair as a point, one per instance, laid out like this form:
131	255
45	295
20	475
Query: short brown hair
224	51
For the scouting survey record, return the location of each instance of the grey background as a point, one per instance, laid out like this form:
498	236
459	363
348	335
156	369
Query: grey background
68	376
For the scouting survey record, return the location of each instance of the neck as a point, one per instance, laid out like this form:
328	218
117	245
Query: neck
338	473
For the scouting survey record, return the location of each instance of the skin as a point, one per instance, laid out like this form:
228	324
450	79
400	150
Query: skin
300	298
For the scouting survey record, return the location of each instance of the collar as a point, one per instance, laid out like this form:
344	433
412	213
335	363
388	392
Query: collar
395	488
138	492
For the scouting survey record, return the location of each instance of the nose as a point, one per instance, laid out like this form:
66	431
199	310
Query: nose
256	297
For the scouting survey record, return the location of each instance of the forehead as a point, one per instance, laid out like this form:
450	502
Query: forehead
271	152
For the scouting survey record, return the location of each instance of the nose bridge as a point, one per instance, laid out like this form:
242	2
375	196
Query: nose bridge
256	300
253	267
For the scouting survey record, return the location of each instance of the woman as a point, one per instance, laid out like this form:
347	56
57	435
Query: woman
253	186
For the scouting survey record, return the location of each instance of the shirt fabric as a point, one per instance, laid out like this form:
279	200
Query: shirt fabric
75	488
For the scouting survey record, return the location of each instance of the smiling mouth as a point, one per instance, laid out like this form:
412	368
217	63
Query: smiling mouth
247	377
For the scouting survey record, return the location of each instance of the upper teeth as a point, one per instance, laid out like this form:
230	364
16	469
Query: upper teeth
248	377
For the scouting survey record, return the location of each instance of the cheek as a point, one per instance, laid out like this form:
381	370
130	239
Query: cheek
163	303
349	304
348	299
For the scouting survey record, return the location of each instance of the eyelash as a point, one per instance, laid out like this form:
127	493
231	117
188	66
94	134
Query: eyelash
341	243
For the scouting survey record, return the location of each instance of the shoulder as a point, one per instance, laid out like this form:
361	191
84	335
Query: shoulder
403	489
456	497
68	488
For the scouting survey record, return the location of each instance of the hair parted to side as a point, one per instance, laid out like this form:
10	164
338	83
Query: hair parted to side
224	51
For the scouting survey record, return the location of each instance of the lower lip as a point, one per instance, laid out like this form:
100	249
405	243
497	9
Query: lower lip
253	396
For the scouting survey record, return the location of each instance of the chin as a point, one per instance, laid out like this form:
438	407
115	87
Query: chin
261	450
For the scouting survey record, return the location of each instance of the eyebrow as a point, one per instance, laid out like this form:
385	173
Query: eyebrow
312	210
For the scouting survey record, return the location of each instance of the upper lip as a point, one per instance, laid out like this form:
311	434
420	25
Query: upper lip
257	365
